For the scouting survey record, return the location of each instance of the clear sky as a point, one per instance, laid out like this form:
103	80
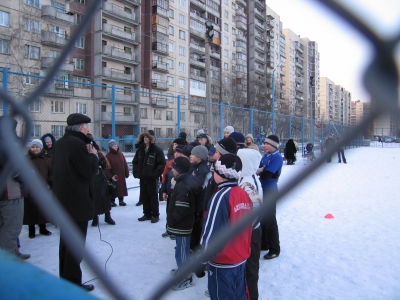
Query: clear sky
344	53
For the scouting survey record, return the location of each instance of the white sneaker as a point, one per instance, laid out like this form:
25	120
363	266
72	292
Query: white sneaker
185	283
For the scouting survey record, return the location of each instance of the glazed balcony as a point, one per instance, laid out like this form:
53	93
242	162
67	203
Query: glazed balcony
130	2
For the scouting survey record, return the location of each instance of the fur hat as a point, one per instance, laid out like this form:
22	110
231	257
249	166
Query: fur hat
38	143
187	150
229	129
182	135
200	131
181	165
200	151
229	166
273	140
112	143
151	132
238	137
76	119
179	141
227	145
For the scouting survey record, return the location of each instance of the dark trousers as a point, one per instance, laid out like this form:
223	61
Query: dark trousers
341	151
69	267
253	263
149	197
196	235
227	283
269	226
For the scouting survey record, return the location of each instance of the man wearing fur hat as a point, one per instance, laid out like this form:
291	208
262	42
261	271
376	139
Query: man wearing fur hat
226	270
148	165
75	164
269	170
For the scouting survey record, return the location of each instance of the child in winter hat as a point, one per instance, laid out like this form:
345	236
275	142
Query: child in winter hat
37	142
239	138
228	130
181	165
200	151
225	146
273	140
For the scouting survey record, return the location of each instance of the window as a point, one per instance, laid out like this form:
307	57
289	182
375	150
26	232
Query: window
143	113
34	3
226	66
57	130
32	52
4	46
127	70
127	49
226	13
171	30
84	80
181	34
103	108
170	63
31	80
226	2
157	131
226	28
36	131
4	19
127	111
233	44
226	40
127	9
233	30
170	80
157	114
80	108
58	30
181	67
35	106
78	19
170	47
181	83
181	50
182	3
181	19
57	106
127	29
226	53
32	26
183	117
59	6
79	64
54	53
80	1
80	42
233	55
196	120
143	129
169	115
170	132
170	14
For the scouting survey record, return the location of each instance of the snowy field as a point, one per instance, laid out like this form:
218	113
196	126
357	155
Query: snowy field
355	255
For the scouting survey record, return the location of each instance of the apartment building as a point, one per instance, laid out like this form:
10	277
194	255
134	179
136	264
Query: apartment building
343	110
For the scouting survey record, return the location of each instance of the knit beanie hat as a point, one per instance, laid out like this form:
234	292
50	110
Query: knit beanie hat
238	137
179	141
182	135
229	166
195	143
200	151
112	143
211	152
187	150
200	131
273	140
227	145
250	136
47	138
38	143
179	148
181	165
229	129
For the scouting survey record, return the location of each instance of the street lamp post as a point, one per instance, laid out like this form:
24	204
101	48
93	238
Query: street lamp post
208	40
273	98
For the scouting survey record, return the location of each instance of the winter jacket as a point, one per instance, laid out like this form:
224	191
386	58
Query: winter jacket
226	207
49	151
74	169
148	163
290	150
102	203
166	178
181	209
43	168
251	144
119	167
272	163
202	173
248	180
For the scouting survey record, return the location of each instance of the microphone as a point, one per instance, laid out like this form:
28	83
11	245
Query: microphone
115	178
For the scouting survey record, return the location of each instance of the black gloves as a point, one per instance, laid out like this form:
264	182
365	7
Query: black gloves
200	270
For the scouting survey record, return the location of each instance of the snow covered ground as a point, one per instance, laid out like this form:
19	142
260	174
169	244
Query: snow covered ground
355	255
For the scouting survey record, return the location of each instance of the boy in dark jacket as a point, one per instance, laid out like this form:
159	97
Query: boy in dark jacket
180	216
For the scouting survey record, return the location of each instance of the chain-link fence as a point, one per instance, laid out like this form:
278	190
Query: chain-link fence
380	78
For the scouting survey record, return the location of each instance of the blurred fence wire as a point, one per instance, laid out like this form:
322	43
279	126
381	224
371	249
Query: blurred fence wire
380	78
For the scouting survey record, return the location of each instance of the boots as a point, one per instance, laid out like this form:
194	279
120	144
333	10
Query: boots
121	201
108	219
43	230
113	203
95	221
31	231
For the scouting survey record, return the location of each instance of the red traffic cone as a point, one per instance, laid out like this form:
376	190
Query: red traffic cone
329	216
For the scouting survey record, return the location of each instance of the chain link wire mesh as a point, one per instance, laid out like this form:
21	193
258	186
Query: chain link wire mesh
380	78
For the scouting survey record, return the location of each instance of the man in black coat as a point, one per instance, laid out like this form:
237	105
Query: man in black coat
148	165
329	143
75	163
290	152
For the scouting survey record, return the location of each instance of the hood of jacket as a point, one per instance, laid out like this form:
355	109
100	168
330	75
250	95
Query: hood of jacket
143	134
250	160
53	139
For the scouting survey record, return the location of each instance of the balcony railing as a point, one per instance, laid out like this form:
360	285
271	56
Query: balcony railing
196	62
260	4
51	13
48	62
119	34
259	14
159	84
241	3
157	10
260	37
198	48
241	25
58	89
197	108
131	2
199	3
159	102
118	75
160	66
53	39
120	97
118	13
197	17
120	117
199	77
118	54
160	48
259	25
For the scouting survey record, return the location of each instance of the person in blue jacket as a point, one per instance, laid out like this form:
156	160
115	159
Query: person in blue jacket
269	170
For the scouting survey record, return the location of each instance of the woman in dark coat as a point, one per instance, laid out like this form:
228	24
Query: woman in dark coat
32	213
119	167
290	152
49	141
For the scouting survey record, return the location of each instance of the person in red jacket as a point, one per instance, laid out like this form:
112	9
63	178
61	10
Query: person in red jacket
226	270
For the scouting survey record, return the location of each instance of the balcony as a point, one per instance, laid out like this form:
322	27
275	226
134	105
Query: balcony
53	39
241	3
260	70
118	55
125	97
259	14
118	75
160	48
241	48
159	102
119	34
118	13
298	64
52	14
58	89
197	108
241	62
259	25
241	25
196	17
198	77
48	62
260	4
241	37
160	66
270	65
270	34
271	45
213	11
259	58
199	4
260	48
216	54
157	10
298	97
200	49
270	24
159	84
197	33
299	47
299	88
240	12
260	37
160	29
120	117
130	2
196	62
